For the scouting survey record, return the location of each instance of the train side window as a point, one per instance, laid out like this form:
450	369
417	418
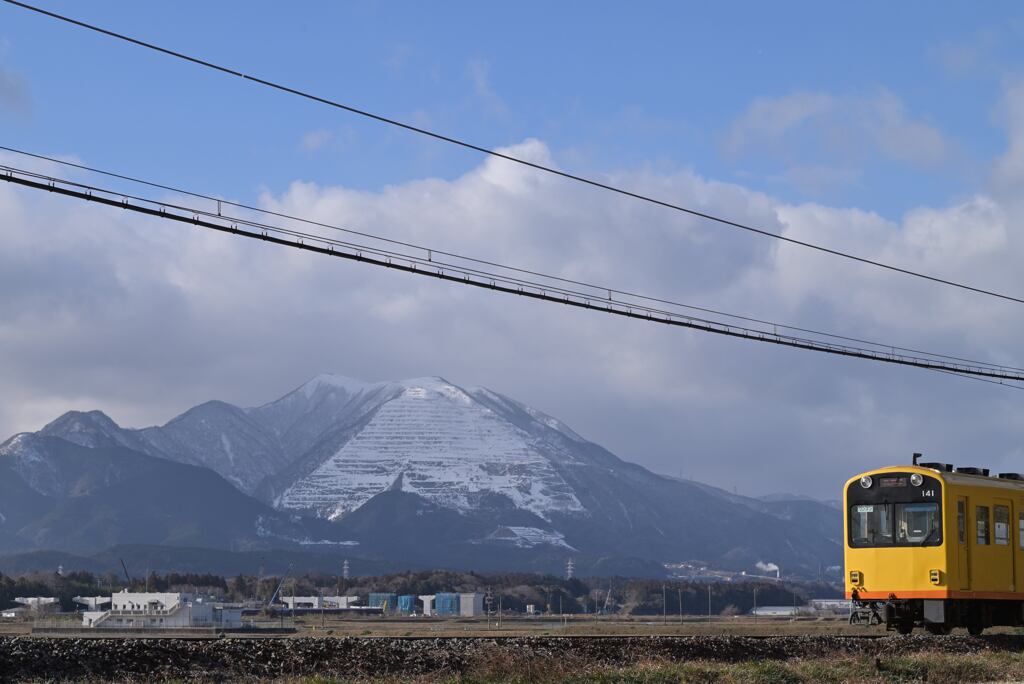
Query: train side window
1002	527
982	524
961	524
1020	529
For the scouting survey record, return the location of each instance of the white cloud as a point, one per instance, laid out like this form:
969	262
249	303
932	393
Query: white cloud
314	140
479	73
1008	174
144	319
15	94
973	55
843	126
399	56
767	119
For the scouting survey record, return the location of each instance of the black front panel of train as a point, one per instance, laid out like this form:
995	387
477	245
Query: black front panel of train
894	511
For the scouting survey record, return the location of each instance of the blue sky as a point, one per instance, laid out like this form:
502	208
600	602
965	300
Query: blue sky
605	86
893	130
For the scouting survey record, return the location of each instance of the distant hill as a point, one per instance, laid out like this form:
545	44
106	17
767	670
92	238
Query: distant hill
418	473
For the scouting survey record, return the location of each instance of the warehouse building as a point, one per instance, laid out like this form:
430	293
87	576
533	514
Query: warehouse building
471	605
135	610
319	602
386	601
407	604
446	604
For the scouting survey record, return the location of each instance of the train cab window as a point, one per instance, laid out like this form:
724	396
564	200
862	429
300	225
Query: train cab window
961	524
981	516
871	525
918	524
1002	527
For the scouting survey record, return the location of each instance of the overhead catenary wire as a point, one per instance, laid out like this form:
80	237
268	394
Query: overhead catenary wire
512	158
433	252
452	273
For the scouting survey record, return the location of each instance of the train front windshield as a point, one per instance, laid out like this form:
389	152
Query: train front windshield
894	510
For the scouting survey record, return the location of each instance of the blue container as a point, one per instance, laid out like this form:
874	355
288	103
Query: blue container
407	604
385	600
446	604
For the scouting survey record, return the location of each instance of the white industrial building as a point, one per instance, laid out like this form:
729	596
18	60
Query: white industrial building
319	602
39	604
92	602
781	611
131	610
836	606
471	605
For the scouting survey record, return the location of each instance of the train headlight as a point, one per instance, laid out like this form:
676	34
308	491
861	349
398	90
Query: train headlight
916	479
935	576
855	577
865	482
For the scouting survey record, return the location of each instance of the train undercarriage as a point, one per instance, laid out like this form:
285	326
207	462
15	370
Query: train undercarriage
938	616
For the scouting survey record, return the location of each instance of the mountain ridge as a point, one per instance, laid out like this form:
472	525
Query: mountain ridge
502	475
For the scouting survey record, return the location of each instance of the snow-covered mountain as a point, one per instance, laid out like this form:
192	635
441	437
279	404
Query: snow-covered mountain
332	444
426	468
431	438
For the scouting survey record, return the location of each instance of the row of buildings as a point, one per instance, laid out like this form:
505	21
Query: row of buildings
128	610
469	604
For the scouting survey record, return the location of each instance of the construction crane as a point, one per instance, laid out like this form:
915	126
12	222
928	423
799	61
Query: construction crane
126	575
280	584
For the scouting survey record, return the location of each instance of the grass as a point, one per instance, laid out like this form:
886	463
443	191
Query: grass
934	668
941	668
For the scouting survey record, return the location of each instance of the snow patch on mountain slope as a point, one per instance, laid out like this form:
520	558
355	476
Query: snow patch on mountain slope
263	530
330	381
487	396
226	443
37	471
526	537
435	440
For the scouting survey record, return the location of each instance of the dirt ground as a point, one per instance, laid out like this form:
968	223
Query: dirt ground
569	625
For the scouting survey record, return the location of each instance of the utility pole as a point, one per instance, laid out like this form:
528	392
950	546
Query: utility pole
680	591
755	605
664	606
709	604
489	600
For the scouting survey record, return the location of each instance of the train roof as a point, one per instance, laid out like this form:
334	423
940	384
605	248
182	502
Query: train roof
950	477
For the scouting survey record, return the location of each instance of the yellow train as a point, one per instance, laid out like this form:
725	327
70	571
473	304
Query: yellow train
933	546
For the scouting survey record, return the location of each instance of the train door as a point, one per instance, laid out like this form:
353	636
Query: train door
1018	547
963	560
1002	514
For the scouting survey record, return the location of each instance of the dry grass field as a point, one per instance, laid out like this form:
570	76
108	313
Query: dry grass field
570	625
